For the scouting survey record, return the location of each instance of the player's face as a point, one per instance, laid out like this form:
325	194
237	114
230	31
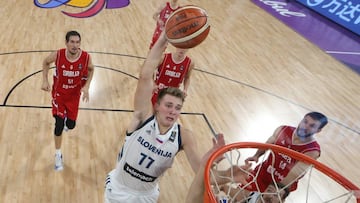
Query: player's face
73	45
181	52
168	110
307	127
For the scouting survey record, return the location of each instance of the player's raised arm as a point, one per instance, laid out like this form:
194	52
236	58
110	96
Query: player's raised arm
142	100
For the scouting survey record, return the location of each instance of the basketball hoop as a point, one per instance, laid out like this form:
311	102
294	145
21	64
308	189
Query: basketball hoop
318	183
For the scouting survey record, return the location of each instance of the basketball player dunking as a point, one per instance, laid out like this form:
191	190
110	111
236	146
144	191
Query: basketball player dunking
152	140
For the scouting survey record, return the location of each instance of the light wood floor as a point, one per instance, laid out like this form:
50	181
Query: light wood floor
252	75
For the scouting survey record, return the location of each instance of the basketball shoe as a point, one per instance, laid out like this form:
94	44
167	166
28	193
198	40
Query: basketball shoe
59	162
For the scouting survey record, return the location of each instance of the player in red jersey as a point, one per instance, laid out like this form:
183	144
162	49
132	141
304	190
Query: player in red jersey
161	16
73	74
285	169
174	70
300	139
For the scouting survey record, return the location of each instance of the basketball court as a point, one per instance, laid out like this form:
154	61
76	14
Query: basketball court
252	74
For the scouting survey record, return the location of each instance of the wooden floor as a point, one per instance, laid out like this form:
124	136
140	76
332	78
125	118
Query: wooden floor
252	74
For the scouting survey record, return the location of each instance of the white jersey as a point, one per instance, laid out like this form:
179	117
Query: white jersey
146	155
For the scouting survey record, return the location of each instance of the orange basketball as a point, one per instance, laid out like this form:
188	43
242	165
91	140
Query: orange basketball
187	27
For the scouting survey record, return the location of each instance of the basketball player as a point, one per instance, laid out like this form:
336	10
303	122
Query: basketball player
161	16
73	74
300	139
174	70
286	170
153	139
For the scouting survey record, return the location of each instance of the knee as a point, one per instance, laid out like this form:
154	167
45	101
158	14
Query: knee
70	124
59	125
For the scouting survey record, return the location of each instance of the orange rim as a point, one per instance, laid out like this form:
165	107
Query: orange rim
209	196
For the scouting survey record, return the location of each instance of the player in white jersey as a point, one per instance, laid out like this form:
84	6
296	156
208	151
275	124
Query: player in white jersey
152	140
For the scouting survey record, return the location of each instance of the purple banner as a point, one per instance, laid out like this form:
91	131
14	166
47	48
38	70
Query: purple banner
334	39
344	12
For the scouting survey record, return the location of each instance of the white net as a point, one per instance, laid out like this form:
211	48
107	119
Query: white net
306	181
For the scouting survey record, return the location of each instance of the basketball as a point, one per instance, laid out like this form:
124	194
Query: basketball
187	27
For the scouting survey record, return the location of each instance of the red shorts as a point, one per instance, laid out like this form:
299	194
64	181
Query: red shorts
66	105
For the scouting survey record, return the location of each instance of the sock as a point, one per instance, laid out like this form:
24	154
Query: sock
58	151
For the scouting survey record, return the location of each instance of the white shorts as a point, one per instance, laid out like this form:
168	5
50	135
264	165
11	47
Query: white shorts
123	194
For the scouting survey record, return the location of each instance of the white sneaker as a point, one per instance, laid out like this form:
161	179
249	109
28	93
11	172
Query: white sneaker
59	162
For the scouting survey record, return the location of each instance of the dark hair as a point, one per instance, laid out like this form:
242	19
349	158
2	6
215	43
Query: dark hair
319	117
173	91
71	33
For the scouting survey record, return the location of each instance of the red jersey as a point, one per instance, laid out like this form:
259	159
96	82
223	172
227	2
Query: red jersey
70	76
170	74
163	16
282	163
